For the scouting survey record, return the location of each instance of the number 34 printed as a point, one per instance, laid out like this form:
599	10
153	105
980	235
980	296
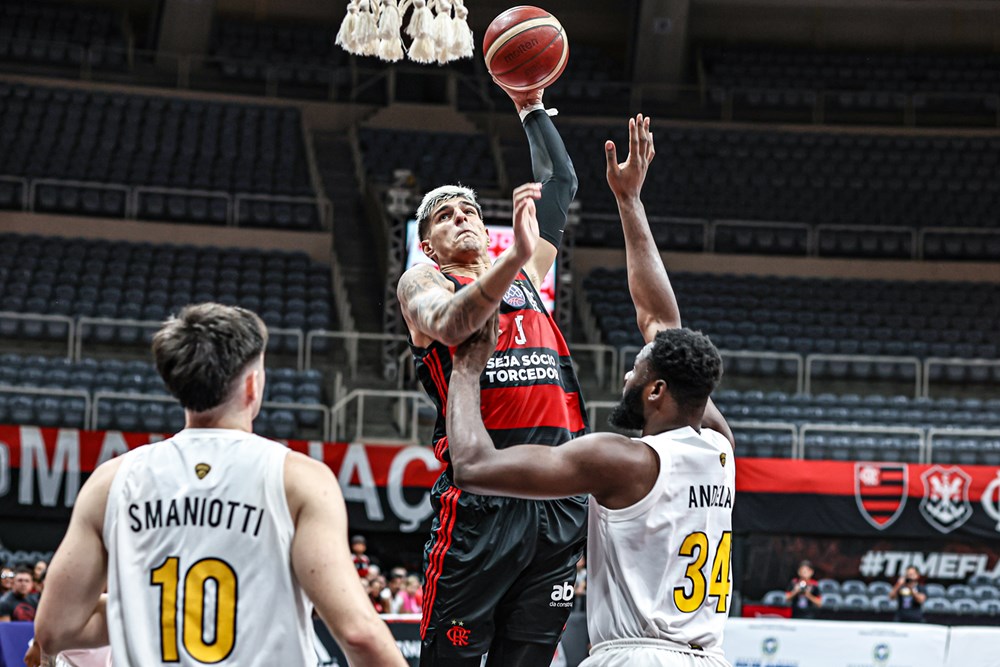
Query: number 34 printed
718	586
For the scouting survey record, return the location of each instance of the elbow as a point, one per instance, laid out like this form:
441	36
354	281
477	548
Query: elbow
467	475
361	638
51	639
565	179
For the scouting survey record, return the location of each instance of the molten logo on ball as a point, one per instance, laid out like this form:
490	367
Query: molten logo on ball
520	50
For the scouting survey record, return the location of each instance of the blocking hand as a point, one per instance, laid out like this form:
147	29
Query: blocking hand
626	178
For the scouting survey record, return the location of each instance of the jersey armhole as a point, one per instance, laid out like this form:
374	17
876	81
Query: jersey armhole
115	492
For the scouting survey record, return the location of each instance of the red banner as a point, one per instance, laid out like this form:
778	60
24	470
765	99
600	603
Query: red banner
386	487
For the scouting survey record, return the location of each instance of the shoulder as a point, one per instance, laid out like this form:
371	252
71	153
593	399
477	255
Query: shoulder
308	480
420	277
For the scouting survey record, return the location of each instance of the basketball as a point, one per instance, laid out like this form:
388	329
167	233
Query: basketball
525	48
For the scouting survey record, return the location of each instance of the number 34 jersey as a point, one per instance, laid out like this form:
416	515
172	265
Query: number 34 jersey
660	569
199	535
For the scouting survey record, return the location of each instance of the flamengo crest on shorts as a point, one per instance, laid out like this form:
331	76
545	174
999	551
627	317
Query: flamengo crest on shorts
880	492
945	504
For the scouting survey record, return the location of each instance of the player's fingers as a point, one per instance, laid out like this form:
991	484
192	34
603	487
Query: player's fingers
633	137
611	153
652	148
643	132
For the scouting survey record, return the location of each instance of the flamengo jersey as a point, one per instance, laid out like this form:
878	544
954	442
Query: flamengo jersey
199	537
660	569
530	392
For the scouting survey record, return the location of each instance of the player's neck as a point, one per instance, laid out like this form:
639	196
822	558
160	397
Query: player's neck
672	422
468	270
233	421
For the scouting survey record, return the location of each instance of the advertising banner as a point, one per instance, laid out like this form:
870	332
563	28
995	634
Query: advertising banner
386	489
773	559
894	500
787	643
974	646
42	469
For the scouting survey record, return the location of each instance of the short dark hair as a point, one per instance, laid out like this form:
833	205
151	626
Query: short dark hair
688	362
24	569
201	351
438	196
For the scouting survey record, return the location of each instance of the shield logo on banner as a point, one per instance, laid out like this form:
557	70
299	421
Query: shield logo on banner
880	492
946	504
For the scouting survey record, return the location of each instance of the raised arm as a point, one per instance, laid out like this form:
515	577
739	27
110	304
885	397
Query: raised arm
552	167
432	308
322	564
613	468
655	302
73	613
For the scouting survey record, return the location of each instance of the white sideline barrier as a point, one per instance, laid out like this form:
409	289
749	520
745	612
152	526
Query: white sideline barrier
789	643
979	646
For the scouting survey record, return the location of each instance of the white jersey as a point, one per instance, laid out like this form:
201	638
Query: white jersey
199	536
660	569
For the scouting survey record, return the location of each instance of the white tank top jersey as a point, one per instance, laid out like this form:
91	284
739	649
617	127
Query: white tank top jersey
199	536
660	569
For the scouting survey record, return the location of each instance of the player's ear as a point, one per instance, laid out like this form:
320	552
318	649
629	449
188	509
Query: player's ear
425	245
658	389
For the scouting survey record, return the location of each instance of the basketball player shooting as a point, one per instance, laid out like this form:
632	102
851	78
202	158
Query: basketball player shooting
215	543
661	505
492	564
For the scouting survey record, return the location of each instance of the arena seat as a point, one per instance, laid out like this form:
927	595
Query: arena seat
137	141
113	284
139	378
815	177
434	157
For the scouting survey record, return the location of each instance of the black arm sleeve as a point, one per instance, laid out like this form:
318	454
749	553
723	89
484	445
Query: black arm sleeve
552	168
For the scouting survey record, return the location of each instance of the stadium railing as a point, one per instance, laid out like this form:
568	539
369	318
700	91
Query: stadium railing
133	193
403	415
65	321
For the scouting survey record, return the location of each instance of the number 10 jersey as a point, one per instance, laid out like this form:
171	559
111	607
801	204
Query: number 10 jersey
199	535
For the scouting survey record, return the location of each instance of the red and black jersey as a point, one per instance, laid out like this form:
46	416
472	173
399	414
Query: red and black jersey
530	392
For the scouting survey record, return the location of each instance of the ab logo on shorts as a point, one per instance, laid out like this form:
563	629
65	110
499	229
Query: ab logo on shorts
562	595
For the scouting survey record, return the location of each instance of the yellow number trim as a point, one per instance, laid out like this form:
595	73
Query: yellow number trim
225	610
165	576
695	546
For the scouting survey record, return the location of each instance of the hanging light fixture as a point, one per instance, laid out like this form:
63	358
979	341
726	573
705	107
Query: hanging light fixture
438	30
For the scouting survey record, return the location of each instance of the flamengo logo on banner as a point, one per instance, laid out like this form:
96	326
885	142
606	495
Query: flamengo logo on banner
880	492
945	504
991	500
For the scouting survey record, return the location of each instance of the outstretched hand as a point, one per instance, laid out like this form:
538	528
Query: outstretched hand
626	178
525	221
476	351
522	99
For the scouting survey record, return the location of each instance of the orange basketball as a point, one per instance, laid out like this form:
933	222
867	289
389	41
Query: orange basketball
525	48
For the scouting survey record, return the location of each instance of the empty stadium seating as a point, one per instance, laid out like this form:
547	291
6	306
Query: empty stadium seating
823	316
764	69
894	184
435	158
299	54
61	34
842	421
183	160
148	407
854	595
143	281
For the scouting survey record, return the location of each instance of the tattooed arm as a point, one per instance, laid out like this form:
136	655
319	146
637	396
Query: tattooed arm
430	305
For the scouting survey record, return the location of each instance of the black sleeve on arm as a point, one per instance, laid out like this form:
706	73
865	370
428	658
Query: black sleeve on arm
552	168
